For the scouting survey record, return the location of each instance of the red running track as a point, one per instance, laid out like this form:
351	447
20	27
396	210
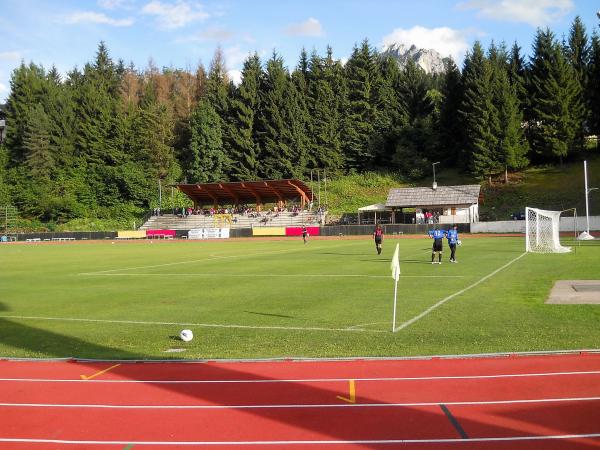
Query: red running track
518	402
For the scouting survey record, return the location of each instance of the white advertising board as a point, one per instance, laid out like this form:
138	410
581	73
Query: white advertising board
209	233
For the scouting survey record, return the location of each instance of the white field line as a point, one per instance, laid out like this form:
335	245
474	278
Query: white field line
211	257
462	291
269	275
205	325
331	442
306	406
310	380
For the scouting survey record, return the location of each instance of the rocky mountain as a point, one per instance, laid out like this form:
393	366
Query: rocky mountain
429	60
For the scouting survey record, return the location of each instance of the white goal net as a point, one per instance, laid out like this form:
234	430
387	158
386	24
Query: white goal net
542	231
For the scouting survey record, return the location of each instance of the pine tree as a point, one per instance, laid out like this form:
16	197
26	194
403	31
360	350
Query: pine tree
101	137
578	54
557	110
37	146
388	117
274	132
244	108
512	146
360	74
478	115
451	133
517	75
206	159
417	142
325	146
593	89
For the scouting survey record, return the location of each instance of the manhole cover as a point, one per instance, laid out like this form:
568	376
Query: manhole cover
586	287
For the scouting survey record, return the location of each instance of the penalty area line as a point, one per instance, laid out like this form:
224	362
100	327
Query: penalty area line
456	294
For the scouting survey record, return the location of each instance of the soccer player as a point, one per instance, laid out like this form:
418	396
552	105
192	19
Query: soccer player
438	238
452	236
304	235
378	236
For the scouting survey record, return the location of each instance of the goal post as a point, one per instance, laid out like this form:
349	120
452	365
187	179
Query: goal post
542	231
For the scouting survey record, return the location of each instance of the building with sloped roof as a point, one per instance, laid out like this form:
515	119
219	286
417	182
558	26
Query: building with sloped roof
438	204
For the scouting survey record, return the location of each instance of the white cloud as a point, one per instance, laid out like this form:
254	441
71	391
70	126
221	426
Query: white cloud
10	56
235	76
533	12
175	15
111	4
444	40
311	28
3	89
94	17
210	34
235	56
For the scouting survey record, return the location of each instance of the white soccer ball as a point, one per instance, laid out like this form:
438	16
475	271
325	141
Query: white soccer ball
186	335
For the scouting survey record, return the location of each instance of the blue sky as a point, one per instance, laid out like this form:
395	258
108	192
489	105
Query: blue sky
181	33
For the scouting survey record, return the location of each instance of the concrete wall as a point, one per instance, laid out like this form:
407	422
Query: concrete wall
518	226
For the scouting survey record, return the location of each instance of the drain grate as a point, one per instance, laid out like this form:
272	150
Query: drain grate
586	287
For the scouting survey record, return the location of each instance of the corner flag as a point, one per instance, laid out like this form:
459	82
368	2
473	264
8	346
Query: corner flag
396	264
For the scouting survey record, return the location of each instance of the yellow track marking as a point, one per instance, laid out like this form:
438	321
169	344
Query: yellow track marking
352	398
84	377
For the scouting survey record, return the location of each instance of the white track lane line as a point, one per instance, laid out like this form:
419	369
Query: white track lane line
306	406
312	380
332	442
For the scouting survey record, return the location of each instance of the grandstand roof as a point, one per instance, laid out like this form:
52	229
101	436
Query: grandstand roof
254	192
426	196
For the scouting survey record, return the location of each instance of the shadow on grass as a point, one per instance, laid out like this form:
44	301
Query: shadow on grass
339	423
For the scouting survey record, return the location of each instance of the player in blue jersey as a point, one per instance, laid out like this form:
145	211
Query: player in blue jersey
438	238
452	236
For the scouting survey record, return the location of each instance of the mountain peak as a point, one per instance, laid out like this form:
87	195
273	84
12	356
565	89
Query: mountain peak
428	59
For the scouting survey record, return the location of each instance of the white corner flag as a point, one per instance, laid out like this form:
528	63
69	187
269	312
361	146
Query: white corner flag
395	266
396	263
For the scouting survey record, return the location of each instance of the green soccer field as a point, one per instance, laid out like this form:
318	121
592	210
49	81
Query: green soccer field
259	299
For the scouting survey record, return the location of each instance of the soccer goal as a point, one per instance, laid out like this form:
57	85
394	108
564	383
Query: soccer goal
542	231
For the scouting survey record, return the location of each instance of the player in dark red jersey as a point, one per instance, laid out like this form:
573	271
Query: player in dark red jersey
378	236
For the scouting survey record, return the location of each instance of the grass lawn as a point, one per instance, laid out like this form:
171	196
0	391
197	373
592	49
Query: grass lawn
257	299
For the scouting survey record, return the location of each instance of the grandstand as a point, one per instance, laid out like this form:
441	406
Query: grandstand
188	222
246	204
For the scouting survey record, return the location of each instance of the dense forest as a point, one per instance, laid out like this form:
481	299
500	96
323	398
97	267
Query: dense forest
95	143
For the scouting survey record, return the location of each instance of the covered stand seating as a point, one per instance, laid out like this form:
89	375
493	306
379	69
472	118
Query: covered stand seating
247	192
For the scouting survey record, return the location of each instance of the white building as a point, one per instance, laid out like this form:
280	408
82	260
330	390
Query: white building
443	204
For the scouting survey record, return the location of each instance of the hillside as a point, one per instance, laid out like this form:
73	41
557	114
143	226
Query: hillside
554	187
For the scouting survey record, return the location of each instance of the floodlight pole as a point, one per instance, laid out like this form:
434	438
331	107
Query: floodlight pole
587	192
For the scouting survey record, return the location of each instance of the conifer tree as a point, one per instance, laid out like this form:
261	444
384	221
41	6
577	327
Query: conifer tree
206	159
577	53
274	131
325	146
478	115
451	133
360	74
244	108
557	110
593	89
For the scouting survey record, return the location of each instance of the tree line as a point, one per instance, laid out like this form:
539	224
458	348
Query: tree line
95	143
